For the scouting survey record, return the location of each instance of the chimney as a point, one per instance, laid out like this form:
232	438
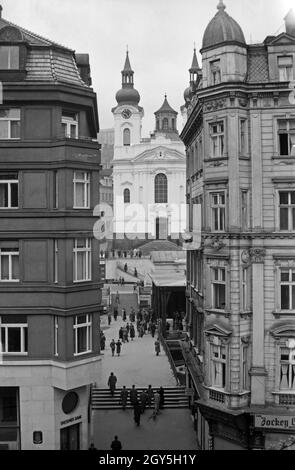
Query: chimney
290	23
1	8
82	61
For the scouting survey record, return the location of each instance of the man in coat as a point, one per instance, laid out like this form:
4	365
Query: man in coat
116	445
132	332
137	412
118	346
162	398
143	400
124	397
133	395
112	383
113	346
157	347
150	394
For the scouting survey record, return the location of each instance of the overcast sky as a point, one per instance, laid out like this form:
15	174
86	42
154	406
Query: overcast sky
160	35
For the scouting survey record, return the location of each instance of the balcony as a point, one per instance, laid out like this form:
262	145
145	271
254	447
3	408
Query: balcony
284	398
231	400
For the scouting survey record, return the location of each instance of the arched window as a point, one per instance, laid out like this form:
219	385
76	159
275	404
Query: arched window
165	124
161	188
127	195
126	137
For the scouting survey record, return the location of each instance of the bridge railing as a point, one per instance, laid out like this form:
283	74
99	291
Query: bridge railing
169	355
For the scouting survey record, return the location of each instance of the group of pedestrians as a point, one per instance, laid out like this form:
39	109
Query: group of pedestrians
139	400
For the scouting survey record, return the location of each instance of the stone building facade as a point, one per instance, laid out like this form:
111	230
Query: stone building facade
49	272
240	144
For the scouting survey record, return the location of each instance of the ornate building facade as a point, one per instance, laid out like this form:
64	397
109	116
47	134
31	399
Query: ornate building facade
49	272
147	171
240	144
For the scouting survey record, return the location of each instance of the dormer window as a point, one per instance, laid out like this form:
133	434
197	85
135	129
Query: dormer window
285	65
215	72
70	124
9	57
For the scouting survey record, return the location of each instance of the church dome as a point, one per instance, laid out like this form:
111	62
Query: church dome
127	96
222	29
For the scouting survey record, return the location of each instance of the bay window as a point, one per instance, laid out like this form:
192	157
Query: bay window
9	265
9	124
82	260
14	334
217	139
70	124
81	190
9	190
83	334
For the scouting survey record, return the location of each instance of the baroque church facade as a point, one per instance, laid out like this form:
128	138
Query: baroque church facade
149	172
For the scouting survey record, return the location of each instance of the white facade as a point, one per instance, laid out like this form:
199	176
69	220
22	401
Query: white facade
135	168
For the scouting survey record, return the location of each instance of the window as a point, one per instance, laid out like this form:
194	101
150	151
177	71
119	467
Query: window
243	136
56	336
286	130
81	190
287	287
9	264
244	209
165	124
83	334
215	72
218	363
14	334
161	189
218	288
287	369
287	210
217	139
55	261
8	190
55	189
70	124
218	211
82	260
245	381
9	57
285	65
127	196
126	137
9	123
244	289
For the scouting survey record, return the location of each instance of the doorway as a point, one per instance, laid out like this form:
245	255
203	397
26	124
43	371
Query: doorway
70	438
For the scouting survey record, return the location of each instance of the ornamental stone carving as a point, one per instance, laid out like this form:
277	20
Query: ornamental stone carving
253	256
10	33
215	104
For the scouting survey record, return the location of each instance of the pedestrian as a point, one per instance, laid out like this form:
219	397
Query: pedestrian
133	395
125	268
157	403
143	400
135	272
128	328
162	398
150	394
125	335
132	332
109	318
102	342
118	346
112	383
153	329
115	314
116	445
113	346
137	412
157	347
121	336
124	397
124	316
92	446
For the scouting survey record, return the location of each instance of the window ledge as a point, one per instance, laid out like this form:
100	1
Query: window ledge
279	313
214	159
9	281
82	353
284	157
216	311
14	354
246	313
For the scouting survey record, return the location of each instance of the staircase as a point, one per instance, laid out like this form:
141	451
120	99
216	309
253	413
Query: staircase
101	398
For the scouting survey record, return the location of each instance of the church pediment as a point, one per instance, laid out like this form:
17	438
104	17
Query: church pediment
283	39
160	154
217	330
283	330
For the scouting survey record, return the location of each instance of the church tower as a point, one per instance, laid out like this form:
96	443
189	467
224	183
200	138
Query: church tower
127	114
166	119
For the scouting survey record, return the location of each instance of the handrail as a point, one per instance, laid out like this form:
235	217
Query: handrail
169	355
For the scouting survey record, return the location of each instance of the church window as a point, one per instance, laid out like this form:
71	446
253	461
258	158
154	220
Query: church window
161	189
126	196
126	137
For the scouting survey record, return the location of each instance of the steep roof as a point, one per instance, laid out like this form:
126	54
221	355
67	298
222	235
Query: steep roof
166	108
46	60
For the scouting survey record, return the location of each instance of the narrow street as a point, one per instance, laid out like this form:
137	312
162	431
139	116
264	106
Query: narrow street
139	365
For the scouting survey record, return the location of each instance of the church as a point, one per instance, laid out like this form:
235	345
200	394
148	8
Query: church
147	172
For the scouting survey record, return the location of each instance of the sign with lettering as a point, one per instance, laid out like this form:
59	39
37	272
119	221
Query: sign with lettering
274	422
70	420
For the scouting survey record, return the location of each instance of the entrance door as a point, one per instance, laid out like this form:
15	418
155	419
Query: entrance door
161	228
70	438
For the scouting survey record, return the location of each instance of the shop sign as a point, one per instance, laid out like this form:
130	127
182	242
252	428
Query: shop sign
274	422
70	420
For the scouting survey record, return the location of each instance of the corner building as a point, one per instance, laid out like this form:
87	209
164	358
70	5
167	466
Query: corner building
49	278
240	143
